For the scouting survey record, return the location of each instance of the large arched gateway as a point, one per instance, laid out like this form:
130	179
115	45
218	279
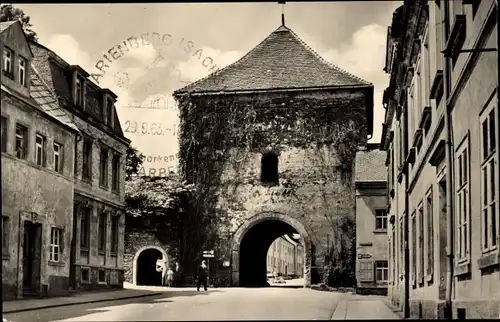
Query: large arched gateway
144	268
251	243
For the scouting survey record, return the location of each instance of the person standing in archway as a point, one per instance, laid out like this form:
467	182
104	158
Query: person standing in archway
161	266
177	275
170	277
202	276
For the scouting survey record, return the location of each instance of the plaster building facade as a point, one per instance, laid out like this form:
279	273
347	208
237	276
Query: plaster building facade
97	243
287	174
37	141
441	135
372	267
285	257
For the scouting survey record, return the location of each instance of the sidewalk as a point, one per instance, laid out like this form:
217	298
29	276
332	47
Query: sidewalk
81	298
352	307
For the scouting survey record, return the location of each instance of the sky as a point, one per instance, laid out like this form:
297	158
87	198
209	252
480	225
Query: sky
350	35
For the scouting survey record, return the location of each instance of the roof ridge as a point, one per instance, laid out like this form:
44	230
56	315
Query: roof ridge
234	63
324	60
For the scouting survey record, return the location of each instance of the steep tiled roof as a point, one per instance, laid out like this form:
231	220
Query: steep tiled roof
370	166
281	61
47	100
53	72
6	24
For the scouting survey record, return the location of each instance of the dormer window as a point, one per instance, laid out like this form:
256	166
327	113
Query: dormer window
269	169
108	107
21	70
109	112
79	91
8	57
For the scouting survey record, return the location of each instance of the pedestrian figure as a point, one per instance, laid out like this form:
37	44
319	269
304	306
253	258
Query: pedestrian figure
161	266
202	276
170	277
177	274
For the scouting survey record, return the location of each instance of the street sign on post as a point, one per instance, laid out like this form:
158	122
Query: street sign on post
208	254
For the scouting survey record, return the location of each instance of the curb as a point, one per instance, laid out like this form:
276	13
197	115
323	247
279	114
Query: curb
78	303
394	309
343	299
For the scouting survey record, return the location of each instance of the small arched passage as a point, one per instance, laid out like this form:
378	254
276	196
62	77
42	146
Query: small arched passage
144	270
251	244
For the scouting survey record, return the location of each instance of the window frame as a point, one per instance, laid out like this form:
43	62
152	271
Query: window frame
115	172
103	169
401	144
4	134
58	163
56	244
9	72
383	270
421	241
109	106
102	229
401	246
43	150
85	269
462	194
383	219
101	270
24	139
413	253
5	236
489	162
430	242
366	271
411	107
79	91
426	57
22	64
417	97
115	234
87	158
86	212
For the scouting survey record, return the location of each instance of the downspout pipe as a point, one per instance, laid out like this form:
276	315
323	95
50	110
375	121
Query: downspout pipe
406	228
449	171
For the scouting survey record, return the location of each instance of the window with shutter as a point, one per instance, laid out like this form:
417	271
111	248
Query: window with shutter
366	271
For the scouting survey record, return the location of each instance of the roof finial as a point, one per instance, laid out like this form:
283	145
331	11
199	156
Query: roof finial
282	12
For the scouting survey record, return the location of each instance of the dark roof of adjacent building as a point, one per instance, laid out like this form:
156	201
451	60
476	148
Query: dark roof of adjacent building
281	61
6	24
53	71
370	166
47	100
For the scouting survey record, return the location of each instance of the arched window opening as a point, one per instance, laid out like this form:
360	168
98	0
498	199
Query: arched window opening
269	168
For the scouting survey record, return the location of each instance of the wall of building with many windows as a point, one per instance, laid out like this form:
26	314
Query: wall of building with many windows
473	106
372	267
285	258
37	186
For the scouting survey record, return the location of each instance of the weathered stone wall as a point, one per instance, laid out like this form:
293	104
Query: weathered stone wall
315	184
139	240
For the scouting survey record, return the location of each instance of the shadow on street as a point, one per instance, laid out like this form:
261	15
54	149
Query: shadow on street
80	310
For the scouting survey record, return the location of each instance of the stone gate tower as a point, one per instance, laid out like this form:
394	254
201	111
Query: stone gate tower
270	141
